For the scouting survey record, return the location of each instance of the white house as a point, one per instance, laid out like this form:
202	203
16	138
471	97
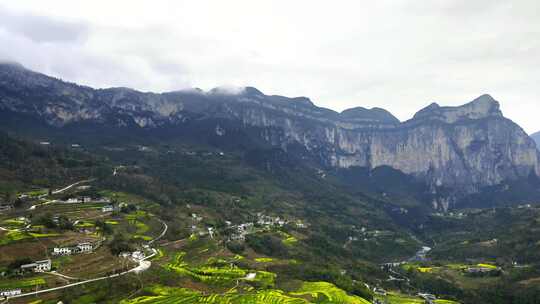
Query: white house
124	254
137	255
38	266
72	200
61	251
379	291
44	265
85	247
107	208
10	293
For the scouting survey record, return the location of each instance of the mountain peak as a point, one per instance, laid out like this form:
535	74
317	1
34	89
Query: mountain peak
252	91
12	64
12	67
481	107
485	101
373	114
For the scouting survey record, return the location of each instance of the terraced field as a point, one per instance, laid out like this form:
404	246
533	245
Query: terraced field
321	292
180	295
15	235
220	275
398	298
23	284
56	208
327	293
13	223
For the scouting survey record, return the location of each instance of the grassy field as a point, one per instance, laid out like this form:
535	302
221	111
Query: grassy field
15	236
22	284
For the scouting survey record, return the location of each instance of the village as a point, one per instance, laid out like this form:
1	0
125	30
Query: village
64	232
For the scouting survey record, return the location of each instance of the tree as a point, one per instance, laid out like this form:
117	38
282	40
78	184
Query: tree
105	228
119	244
64	223
10	196
47	221
18	203
236	247
267	244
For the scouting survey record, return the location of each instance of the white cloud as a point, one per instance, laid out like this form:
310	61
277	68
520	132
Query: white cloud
396	54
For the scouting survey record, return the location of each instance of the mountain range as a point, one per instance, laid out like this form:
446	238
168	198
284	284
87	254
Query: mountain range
455	151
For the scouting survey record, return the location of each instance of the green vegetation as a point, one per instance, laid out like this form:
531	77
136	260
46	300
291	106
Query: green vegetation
345	232
17	223
23	284
36	193
327	293
13	236
322	293
489	266
180	295
224	274
85	224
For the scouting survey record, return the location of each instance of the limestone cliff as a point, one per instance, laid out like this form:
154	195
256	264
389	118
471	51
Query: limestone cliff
465	147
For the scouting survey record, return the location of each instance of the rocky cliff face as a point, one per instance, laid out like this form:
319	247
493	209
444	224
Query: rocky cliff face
536	138
464	147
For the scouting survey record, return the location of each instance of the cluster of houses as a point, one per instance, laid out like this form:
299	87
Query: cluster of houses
85	247
208	231
364	234
428	298
454	215
263	222
202	232
200	153
482	271
135	255
240	231
86	199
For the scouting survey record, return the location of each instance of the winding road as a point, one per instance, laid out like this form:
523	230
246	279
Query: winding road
72	185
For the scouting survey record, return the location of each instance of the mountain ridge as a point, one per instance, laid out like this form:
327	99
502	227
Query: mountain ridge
463	148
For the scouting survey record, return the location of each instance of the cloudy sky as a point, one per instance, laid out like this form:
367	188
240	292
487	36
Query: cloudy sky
397	54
